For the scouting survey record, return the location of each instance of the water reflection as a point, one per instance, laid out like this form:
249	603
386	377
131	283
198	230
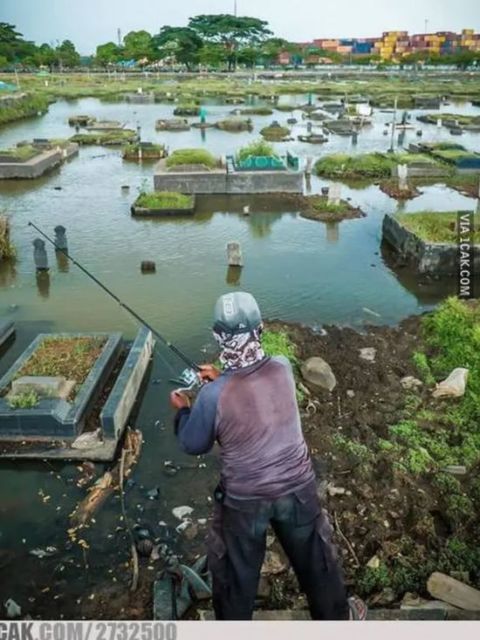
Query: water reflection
8	273
233	276
43	283
63	262
333	232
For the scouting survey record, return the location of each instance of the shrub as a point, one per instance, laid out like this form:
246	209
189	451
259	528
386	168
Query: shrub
256	148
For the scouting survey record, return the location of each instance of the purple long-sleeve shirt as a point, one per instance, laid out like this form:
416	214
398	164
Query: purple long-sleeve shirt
253	414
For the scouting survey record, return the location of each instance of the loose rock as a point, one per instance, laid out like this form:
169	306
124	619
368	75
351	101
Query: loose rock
453	386
272	564
318	372
409	383
182	512
368	354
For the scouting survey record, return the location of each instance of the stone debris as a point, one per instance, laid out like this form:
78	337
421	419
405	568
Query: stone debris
374	562
456	469
272	564
350	393
318	372
453	386
89	440
410	383
368	354
43	553
183	526
332	490
182	512
12	609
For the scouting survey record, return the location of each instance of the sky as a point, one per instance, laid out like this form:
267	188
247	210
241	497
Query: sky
91	22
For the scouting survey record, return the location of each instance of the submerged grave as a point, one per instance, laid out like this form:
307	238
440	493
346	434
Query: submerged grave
195	171
429	240
69	396
29	160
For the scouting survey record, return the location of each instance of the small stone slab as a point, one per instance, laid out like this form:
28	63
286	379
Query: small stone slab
453	591
43	386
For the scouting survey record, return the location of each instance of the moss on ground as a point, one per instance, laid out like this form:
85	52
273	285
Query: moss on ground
367	165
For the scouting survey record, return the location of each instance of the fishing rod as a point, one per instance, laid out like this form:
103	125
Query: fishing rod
186	377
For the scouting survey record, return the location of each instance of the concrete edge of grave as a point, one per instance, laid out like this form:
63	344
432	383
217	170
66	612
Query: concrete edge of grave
33	168
119	404
439	258
55	411
145	212
206	615
7	329
115	413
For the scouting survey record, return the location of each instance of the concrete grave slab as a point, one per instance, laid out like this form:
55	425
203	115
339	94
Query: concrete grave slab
49	429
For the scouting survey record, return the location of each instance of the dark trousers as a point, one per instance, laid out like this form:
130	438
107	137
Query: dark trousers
236	550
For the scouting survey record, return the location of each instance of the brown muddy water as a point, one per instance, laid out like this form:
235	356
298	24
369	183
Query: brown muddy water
299	270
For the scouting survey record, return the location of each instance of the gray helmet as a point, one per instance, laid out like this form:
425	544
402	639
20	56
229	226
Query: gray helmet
236	312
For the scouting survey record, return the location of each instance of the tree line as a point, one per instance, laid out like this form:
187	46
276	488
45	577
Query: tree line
212	41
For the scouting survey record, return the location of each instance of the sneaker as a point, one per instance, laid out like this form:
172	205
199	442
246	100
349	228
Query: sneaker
358	608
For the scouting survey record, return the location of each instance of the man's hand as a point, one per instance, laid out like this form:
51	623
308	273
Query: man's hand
179	400
208	372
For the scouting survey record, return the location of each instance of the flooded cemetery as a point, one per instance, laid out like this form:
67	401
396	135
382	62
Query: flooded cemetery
335	203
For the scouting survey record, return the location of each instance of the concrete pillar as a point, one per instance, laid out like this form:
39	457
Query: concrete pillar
402	170
61	238
40	255
234	254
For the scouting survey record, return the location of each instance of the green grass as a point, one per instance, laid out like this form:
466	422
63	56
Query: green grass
105	137
275	133
277	343
234	124
21	153
154	150
164	200
23	400
23	107
257	111
433	226
367	165
7	250
256	148
186	110
191	156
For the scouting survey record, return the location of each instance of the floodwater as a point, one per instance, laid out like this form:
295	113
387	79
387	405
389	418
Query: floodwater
299	270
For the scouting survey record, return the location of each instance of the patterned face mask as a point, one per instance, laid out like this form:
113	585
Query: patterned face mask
240	350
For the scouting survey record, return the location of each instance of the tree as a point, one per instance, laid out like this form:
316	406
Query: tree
67	54
212	55
12	42
108	53
181	42
231	31
138	45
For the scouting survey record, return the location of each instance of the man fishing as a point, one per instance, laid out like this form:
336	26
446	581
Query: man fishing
250	410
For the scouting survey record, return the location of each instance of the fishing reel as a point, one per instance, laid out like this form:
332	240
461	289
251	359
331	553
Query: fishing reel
189	382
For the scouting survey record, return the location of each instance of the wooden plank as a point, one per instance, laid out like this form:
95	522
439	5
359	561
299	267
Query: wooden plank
453	591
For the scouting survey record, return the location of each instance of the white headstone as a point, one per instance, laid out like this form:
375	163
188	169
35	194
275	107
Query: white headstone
402	176
439	123
334	194
234	254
